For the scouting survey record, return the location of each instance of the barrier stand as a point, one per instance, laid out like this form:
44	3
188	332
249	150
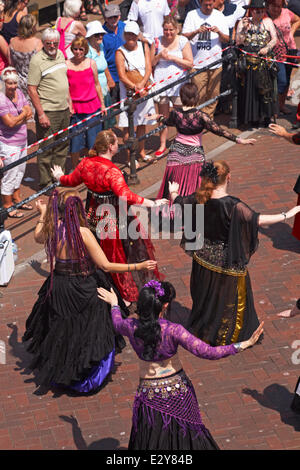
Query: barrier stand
132	141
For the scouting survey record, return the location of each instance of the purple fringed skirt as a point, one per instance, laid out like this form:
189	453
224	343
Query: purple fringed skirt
184	164
166	416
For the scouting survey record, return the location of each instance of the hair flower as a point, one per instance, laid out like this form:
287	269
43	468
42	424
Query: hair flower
159	291
208	170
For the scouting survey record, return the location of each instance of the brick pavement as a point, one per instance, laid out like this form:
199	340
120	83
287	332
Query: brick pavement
244	399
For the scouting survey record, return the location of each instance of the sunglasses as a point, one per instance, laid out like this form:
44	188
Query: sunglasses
51	43
98	35
78	49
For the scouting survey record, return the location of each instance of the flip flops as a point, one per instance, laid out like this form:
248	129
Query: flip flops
15	215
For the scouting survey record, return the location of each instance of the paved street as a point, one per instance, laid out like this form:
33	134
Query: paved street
245	399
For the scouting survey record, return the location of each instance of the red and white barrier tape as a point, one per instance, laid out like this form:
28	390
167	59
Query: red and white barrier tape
55	134
272	60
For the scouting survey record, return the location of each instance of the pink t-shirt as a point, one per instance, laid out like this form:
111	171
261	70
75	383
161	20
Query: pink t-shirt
17	135
283	23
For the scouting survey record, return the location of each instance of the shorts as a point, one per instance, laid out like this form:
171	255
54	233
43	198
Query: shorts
175	100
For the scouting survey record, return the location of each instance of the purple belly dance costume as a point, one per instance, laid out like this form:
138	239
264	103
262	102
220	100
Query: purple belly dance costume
166	414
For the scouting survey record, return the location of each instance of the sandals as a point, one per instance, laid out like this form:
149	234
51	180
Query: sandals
83	15
26	207
15	215
90	8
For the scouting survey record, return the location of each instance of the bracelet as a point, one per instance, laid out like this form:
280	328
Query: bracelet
238	346
115	306
284	214
40	221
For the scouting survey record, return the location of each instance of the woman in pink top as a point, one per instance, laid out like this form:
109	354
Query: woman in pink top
87	97
286	24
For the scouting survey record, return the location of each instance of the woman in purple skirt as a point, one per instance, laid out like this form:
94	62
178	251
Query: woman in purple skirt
186	154
166	415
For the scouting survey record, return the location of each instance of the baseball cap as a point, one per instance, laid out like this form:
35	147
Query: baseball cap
112	10
132	27
94	27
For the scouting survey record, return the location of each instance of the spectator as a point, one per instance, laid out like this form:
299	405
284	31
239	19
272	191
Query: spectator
14	112
207	30
86	95
111	42
172	53
94	35
69	27
48	89
3	43
22	48
134	56
233	12
14	10
257	94
286	24
151	14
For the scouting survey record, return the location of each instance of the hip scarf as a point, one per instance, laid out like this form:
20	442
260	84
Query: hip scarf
173	397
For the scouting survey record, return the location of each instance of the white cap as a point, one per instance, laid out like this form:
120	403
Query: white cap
132	27
94	27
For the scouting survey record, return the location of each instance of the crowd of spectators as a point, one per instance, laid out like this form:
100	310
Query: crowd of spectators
78	69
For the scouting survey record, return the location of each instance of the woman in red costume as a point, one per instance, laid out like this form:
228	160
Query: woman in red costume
120	234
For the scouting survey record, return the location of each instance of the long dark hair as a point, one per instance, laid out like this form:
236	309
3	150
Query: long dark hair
65	205
149	306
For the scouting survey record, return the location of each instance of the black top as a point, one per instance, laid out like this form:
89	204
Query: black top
230	227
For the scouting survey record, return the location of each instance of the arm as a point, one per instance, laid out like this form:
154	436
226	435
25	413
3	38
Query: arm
120	64
121	325
38	232
222	36
110	80
203	350
186	61
212	126
33	94
282	132
273	219
79	29
74	179
4	49
99	258
97	84
269	25
295	24
12	121
118	185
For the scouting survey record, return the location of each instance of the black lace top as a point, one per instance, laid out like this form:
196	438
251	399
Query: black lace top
193	121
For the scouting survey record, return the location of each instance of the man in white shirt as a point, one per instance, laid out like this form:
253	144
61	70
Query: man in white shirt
207	29
151	14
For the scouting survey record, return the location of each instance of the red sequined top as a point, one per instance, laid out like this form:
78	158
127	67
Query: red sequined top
101	175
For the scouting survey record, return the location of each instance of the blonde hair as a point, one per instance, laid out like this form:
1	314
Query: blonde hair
103	140
203	194
27	26
80	41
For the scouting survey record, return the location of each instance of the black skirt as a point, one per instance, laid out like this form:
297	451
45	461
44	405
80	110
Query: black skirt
223	309
166	416
70	331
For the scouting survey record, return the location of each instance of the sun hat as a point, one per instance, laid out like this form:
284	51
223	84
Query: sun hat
94	27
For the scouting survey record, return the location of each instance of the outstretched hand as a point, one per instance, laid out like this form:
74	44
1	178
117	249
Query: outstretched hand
57	172
254	338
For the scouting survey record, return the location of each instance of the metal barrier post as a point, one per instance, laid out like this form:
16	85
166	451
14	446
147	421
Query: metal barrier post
132	178
233	123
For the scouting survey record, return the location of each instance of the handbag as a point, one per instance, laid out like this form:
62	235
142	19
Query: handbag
293	52
135	76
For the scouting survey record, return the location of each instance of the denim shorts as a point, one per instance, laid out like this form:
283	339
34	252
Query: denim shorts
87	138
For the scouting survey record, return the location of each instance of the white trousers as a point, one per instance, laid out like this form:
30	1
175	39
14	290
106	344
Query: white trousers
12	178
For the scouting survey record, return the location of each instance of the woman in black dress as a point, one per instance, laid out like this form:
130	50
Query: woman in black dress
223	309
70	330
